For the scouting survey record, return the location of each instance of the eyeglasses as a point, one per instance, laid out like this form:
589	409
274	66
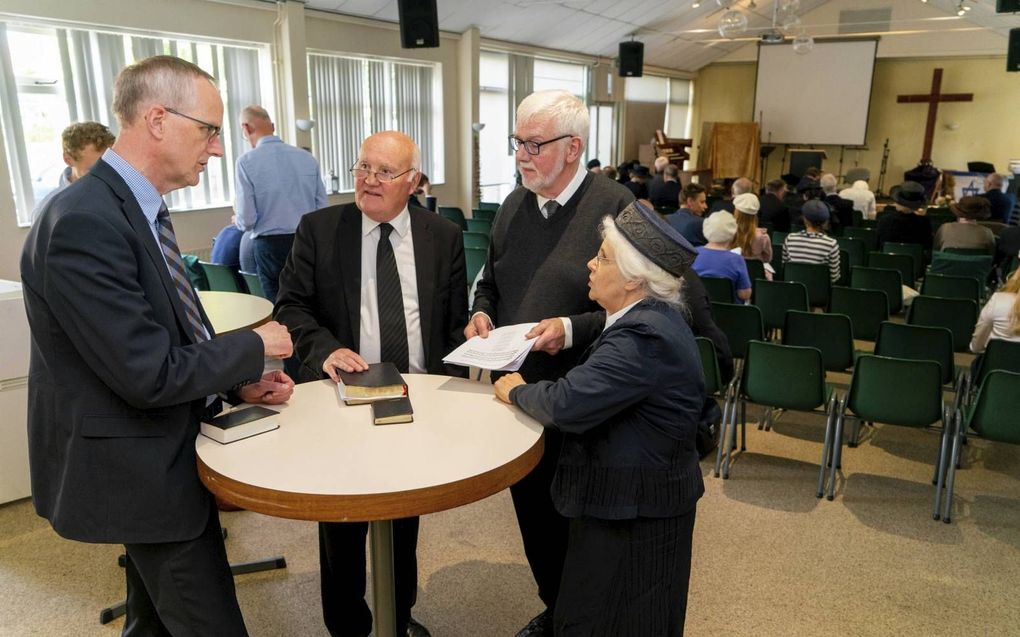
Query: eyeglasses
599	258
211	130
362	171
532	147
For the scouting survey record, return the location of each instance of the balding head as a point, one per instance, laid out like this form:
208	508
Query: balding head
386	153
660	164
741	186
256	124
993	182
828	183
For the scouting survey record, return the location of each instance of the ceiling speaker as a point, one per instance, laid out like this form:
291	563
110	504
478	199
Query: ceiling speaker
632	59
419	24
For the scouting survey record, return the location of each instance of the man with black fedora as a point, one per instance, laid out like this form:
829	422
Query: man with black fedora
908	224
966	232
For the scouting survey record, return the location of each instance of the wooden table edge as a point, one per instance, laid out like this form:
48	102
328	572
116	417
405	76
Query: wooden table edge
373	506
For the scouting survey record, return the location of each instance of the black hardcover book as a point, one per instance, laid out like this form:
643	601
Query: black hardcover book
380	379
393	411
240	424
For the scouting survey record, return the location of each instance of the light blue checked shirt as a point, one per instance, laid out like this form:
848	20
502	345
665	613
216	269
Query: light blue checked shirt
275	185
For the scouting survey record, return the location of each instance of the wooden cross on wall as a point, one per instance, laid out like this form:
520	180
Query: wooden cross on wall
933	99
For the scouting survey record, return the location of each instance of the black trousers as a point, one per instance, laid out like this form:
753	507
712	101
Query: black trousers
342	569
625	577
543	529
183	589
271	252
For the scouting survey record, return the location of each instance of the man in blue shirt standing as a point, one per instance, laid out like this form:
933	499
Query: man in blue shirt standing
276	184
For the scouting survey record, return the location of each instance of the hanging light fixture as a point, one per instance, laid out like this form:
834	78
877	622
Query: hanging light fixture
732	24
803	44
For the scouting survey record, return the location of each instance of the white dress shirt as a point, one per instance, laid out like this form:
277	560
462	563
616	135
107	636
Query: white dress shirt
369	346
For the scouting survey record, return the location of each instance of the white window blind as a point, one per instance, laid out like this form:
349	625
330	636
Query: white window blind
353	97
51	77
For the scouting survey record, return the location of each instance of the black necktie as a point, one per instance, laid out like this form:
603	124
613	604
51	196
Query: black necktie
392	328
550	208
168	243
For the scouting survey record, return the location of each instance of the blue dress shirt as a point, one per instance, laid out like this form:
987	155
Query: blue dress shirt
276	184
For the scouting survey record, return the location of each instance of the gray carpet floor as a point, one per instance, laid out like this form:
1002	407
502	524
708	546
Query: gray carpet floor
769	558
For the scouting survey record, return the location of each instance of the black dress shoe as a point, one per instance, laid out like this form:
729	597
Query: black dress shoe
541	625
414	629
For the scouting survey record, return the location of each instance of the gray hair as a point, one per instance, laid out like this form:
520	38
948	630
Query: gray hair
568	113
161	78
828	183
634	266
255	111
741	186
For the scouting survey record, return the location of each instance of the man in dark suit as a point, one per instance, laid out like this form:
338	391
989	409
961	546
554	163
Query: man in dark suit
376	280
773	209
1000	203
842	209
124	362
664	191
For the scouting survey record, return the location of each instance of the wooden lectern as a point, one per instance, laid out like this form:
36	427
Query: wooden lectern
673	149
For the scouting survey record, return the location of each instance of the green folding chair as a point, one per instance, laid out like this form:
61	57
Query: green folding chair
253	283
918	343
895	391
488	205
195	273
999	354
815	277
476	240
454	214
783	377
720	289
830	334
856	249
776	297
844	269
993	416
868	235
951	287
221	278
777	261
888	281
958	315
865	308
755	269
482	213
740	323
976	266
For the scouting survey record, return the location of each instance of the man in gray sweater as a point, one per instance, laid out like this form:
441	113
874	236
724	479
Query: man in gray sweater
545	232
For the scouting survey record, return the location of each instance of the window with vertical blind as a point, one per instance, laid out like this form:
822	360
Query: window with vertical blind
352	97
52	76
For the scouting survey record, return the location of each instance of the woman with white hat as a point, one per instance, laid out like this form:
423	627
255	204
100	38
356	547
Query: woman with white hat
753	242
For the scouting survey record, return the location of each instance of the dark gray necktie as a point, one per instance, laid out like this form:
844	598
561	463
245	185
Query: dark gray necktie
168	244
550	208
392	328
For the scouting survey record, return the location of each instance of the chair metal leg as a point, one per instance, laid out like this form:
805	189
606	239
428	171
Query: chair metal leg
731	441
743	425
723	429
940	461
837	450
830	414
951	467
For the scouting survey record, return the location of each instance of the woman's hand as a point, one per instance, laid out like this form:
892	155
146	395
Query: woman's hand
505	384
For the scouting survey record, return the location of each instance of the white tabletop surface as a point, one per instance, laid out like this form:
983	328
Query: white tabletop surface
229	311
325	447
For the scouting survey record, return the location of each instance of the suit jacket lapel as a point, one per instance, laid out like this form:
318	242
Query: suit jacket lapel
136	218
424	258
348	242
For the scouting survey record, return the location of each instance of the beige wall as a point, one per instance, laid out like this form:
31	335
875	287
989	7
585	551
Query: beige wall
986	131
245	21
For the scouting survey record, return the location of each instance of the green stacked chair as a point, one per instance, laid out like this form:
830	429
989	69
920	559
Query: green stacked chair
902	263
896	391
915	250
195	273
856	249
865	308
482	213
844	268
221	278
488	205
918	343
777	261
958	315
253	283
830	334
976	266
474	260
755	269
476	240
993	416
783	377
720	289
479	225
774	298
888	281
951	287
714	386
999	354
740	323
454	214
815	277
868	235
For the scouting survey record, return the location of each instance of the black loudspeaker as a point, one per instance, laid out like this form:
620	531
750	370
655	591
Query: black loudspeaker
1007	6
419	24
1013	52
632	59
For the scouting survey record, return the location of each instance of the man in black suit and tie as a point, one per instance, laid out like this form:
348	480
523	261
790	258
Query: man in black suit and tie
376	280
124	362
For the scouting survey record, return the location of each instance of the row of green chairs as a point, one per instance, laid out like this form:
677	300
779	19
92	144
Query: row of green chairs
205	275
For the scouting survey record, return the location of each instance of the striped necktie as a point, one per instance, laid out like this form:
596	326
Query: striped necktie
392	328
168	243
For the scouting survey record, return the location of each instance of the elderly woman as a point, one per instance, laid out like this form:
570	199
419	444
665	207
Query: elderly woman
966	232
715	259
628	476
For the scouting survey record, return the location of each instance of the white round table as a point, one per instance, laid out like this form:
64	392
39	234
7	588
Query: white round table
229	311
329	462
